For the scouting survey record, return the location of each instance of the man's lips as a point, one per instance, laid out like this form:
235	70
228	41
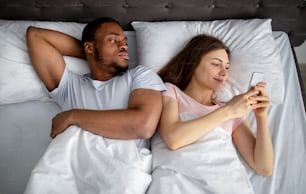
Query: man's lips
124	55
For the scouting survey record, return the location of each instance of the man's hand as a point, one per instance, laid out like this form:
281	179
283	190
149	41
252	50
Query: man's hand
60	123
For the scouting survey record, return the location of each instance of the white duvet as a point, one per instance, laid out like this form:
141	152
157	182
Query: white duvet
210	165
77	161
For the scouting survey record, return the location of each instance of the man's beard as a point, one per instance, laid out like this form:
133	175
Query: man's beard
117	69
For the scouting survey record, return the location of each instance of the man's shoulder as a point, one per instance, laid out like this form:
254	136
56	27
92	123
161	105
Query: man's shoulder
137	67
144	77
141	69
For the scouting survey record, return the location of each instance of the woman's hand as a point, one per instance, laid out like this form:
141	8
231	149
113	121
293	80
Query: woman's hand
262	101
241	104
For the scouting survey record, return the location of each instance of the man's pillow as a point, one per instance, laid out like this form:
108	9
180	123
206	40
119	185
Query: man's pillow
18	80
253	49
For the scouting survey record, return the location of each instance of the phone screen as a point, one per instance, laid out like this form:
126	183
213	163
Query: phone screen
256	77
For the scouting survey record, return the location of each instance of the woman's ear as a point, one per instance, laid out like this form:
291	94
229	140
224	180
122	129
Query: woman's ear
88	47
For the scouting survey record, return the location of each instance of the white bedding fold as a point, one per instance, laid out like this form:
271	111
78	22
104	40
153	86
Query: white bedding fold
210	165
77	161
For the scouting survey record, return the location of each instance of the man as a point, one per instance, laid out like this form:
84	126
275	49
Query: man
107	114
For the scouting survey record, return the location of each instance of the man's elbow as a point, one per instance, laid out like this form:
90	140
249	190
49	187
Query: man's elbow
32	35
30	31
147	128
147	123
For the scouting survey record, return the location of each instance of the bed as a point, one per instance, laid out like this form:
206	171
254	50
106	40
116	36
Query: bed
26	110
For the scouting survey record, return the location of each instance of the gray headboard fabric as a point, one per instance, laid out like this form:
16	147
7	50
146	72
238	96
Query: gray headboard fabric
287	15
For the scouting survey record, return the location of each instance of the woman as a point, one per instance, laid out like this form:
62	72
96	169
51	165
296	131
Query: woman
194	149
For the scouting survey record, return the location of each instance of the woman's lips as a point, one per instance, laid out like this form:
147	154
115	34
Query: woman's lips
220	81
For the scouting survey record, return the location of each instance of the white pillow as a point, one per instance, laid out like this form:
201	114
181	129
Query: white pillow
253	49
18	80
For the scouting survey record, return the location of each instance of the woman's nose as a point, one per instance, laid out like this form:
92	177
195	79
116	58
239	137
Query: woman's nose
223	71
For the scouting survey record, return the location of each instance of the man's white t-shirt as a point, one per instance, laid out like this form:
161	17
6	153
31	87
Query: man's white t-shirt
78	161
80	91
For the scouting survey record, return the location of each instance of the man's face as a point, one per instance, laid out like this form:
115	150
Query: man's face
110	48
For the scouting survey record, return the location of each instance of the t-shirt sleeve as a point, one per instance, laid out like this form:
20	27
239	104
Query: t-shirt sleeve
60	93
146	78
57	92
170	91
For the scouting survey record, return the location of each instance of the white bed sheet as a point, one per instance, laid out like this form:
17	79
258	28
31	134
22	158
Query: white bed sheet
288	130
25	135
25	129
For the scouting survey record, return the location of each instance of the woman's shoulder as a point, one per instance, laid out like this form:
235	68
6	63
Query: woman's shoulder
175	92
171	86
171	90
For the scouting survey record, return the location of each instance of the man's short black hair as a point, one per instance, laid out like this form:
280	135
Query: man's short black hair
90	29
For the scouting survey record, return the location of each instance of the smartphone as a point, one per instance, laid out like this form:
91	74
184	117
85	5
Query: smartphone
256	77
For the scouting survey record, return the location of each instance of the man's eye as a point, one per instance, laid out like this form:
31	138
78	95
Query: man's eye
113	41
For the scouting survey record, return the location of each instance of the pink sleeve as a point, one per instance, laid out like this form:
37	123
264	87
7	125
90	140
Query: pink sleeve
170	91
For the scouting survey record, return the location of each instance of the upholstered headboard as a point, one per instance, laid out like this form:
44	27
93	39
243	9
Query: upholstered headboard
287	15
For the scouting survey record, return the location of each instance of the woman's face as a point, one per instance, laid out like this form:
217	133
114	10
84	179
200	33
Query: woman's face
212	70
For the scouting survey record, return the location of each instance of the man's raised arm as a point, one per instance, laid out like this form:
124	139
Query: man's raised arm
46	49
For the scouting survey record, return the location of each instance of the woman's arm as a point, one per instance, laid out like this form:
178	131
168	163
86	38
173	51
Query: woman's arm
177	134
257	151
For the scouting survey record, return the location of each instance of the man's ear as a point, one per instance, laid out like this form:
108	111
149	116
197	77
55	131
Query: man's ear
88	47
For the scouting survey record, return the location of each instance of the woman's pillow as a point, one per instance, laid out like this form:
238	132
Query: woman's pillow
253	49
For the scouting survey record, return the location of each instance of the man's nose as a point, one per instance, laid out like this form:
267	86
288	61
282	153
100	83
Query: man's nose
123	45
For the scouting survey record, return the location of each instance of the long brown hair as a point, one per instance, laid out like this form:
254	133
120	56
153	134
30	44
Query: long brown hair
179	69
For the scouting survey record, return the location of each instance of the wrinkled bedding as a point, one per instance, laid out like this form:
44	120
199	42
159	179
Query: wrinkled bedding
78	161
